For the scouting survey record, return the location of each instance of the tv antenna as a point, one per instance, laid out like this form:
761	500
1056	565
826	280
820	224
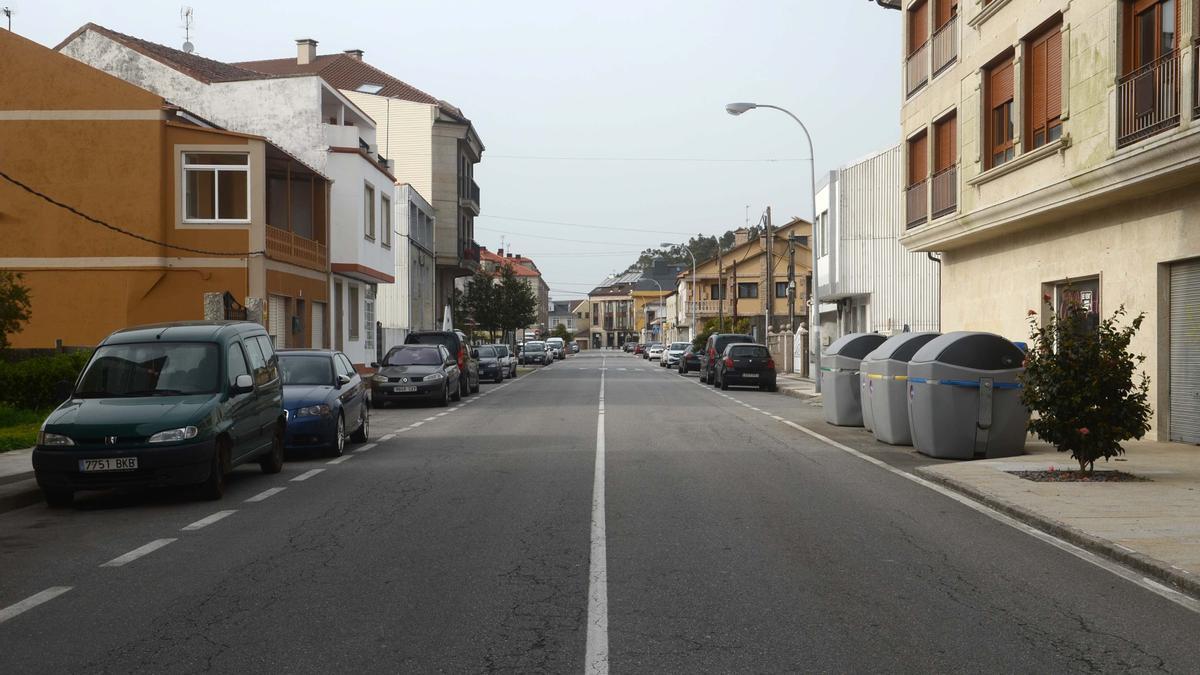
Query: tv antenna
7	12
185	13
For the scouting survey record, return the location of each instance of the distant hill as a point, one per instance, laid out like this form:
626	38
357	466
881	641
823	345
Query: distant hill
701	246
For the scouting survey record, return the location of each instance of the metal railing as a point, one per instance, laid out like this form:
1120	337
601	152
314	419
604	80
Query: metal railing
289	247
916	69
1148	100
916	206
945	45
945	191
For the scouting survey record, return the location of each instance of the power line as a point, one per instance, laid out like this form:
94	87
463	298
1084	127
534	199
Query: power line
697	160
120	230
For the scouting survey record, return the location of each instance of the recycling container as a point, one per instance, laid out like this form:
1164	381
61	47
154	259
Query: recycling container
885	387
964	397
839	377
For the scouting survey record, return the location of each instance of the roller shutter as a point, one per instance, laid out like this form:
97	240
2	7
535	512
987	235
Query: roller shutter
318	325
277	320
1185	352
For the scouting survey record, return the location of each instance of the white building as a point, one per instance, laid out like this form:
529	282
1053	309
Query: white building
307	117
867	281
409	303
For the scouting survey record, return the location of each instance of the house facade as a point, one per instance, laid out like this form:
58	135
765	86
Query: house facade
310	119
192	209
1051	153
409	304
561	315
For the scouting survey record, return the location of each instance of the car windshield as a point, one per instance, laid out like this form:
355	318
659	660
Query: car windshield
306	368
413	356
444	339
487	352
749	351
151	369
534	345
678	346
501	350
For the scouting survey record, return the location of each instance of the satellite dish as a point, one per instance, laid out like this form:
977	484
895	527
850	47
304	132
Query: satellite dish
189	47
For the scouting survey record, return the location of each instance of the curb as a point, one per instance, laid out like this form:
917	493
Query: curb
19	494
1152	567
797	393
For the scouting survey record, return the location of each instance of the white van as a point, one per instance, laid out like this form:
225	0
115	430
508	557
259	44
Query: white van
559	345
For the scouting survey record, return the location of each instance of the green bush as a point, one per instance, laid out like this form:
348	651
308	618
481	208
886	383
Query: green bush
18	428
29	384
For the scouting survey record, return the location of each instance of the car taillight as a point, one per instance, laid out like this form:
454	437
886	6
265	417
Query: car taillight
771	364
728	361
462	355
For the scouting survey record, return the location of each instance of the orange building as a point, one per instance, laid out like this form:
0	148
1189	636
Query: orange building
183	207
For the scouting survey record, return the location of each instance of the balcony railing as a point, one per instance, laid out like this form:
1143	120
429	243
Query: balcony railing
945	191
288	247
915	204
471	251
710	306
1196	78
916	70
945	45
1148	100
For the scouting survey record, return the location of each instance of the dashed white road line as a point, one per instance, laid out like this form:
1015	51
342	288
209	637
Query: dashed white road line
442	414
32	601
429	419
596	657
306	475
339	460
365	447
138	552
207	520
265	494
414	425
386	437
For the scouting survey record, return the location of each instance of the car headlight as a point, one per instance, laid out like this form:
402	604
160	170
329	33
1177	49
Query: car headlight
173	435
380	379
313	411
433	377
48	439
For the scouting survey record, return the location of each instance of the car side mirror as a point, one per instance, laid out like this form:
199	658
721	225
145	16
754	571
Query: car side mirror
451	361
343	380
474	353
63	390
243	384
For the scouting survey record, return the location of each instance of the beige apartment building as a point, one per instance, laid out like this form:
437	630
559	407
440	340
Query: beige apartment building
1052	150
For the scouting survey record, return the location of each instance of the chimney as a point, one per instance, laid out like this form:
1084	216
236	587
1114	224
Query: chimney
306	51
355	54
740	236
500	252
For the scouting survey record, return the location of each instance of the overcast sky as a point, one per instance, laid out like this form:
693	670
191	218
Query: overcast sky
619	87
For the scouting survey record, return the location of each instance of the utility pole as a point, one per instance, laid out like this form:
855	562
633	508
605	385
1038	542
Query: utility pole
7	11
769	291
720	292
791	273
734	301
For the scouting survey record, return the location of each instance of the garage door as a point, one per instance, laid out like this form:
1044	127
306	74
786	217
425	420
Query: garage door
277	320
1185	352
318	325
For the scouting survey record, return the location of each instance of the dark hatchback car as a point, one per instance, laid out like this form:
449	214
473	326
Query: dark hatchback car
325	400
713	349
455	342
163	405
747	365
534	352
408	372
689	360
492	364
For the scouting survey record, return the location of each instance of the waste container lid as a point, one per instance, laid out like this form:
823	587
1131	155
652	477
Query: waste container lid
854	345
979	351
900	347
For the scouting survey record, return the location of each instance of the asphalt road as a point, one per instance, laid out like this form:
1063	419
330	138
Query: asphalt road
466	542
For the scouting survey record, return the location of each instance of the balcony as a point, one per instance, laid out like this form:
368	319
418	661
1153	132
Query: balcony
468	195
620	324
945	191
916	70
1148	100
471	252
291	248
712	307
945	45
341	136
916	204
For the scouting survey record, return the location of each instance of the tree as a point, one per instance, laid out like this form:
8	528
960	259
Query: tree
516	300
480	300
716	325
561	331
1080	380
14	305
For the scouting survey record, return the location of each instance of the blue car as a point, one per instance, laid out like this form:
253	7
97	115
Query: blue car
324	399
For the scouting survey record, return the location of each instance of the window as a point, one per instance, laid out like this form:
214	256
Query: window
918	159
999	128
1043	87
918	27
353	303
369	322
272	371
823	232
717	292
747	289
781	289
944	10
385	221
369	212
258	363
945	143
216	187
1084	293
1150	32
369	88
236	363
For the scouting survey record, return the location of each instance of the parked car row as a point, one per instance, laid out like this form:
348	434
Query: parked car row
728	359
545	352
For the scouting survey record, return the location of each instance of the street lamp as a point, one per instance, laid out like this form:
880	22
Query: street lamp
814	327
692	292
660	296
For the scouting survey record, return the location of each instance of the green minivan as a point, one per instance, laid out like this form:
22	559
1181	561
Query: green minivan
166	404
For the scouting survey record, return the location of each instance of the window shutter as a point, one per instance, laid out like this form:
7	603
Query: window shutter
918	159
1054	74
944	144
945	10
918	26
1036	107
1000	84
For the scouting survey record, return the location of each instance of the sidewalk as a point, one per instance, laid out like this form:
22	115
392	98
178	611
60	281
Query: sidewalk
791	384
17	486
1152	526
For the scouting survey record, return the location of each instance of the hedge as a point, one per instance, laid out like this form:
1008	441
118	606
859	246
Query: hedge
29	384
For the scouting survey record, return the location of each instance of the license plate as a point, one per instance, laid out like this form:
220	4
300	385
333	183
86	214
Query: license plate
403	389
108	464
750	375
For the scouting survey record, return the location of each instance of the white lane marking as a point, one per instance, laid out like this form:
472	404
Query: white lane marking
387	437
414	425
208	520
458	406
137	553
32	601
596	658
265	494
339	460
306	475
429	419
366	447
442	414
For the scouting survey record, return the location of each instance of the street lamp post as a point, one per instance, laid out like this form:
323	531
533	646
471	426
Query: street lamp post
660	298
814	327
692	292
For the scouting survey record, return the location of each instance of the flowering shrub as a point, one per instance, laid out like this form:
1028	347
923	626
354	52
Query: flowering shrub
1080	380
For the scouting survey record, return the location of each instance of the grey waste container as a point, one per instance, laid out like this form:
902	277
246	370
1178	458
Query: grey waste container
839	377
964	397
885	387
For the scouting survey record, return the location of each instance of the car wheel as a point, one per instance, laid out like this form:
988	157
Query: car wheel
475	389
443	400
772	388
464	388
58	498
339	438
213	488
360	434
272	462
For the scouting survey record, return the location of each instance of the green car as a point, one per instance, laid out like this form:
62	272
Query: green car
166	404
